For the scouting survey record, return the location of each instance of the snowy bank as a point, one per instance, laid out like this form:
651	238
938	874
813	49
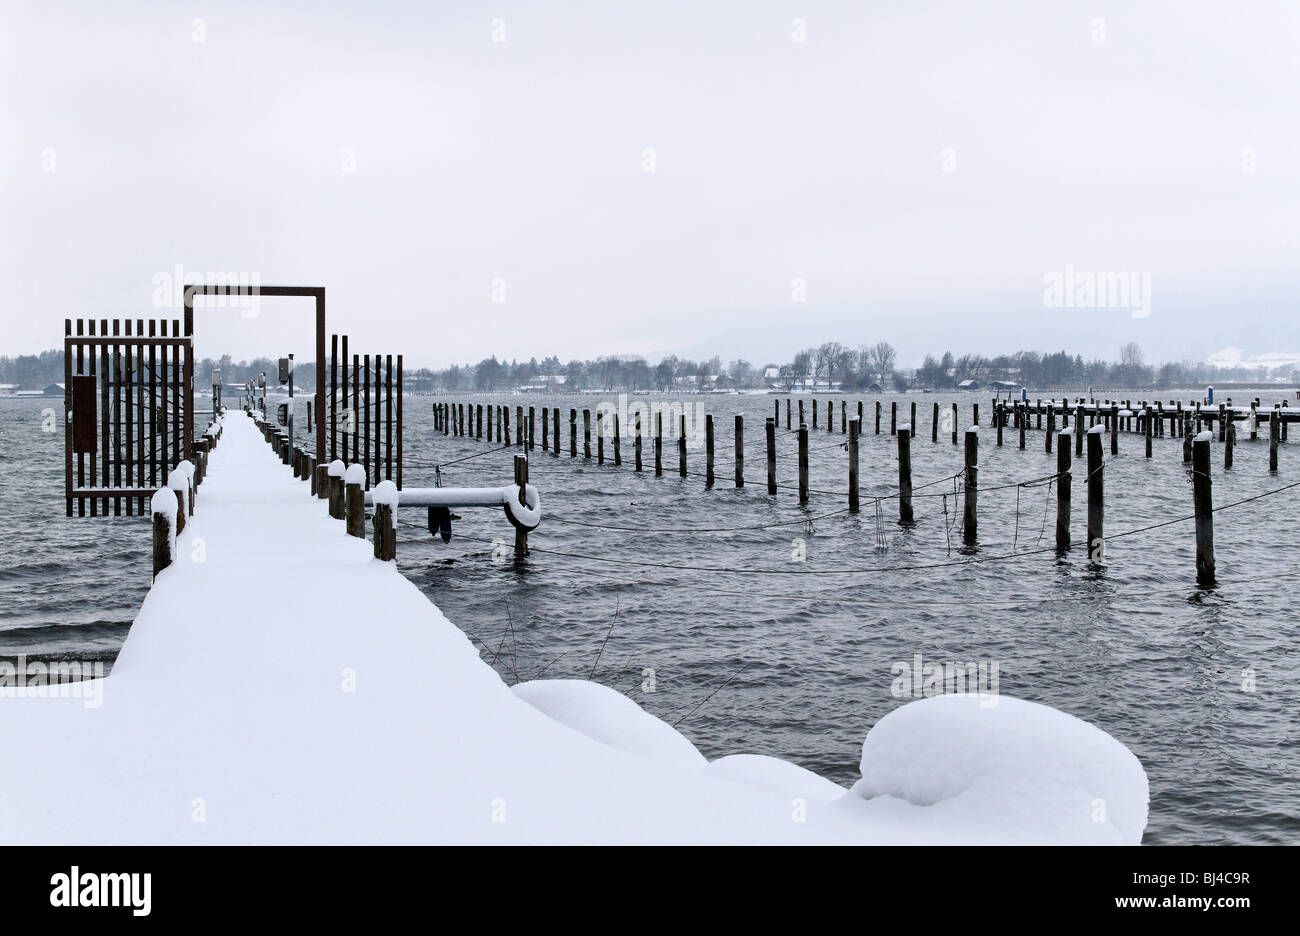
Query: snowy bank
280	685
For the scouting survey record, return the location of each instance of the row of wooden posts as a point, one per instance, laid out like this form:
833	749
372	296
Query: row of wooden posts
464	419
343	486
183	482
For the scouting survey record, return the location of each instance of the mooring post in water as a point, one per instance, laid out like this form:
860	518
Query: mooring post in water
813	403
681	447
1223	422
546	422
659	444
1078	431
771	456
336	472
893	417
1024	424
165	512
521	479
877	417
1063	491
803	465
1229	441
776	411
969	517
905	473
855	430
573	433
1096	497
830	415
1254	422
532	427
999	412
600	437
934	424
1204	509
1051	426
586	434
503	424
801	419
618	442
860	418
636	442
354	497
1147	429
1114	428
787	413
740	450
708	448
479	420
954	424
975	413
844	417
555	431
1186	432
1274	435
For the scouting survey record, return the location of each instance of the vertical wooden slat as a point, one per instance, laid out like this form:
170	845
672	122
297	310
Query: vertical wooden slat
334	417
128	385
365	423
81	458
179	442
115	374
94	456
67	410
388	417
356	400
399	422
348	377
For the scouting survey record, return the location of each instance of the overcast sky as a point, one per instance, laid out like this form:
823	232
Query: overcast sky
920	167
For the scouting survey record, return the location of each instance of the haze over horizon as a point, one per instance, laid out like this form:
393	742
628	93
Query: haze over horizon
583	180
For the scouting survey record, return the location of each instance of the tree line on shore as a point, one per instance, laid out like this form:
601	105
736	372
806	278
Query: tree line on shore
869	368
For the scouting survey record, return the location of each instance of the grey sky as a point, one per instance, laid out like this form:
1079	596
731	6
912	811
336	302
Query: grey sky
523	161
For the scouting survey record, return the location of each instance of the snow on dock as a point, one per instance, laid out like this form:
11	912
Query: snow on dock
281	685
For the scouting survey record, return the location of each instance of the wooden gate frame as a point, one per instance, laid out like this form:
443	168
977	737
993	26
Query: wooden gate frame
304	292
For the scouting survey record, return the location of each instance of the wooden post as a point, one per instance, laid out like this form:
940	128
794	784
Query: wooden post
844	417
162	532
813	404
521	479
1024	423
600	437
573	433
1078	431
385	533
532	427
855	429
555	424
803	465
969	516
740	450
637	440
801	419
999	417
479	417
586	434
1096	498
771	457
954	424
618	442
521	428
1147	429
1274	436
681	447
905	473
355	508
1063	491
335	472
877	417
1051	425
893	417
708	448
934	423
1223	427
1185	431
1229	441
787	412
1254	422
546	423
1204	510
659	444
1114	428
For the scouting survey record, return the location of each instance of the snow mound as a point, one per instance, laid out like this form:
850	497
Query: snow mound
1017	772
772	773
355	474
608	716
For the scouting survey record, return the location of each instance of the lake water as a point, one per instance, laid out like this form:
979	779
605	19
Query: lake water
695	603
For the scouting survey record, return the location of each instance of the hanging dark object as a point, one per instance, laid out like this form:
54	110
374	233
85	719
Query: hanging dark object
440	522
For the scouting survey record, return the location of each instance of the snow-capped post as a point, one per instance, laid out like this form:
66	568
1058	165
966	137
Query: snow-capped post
771	456
322	486
740	450
1274	435
600	437
521	479
1204	509
659	444
934	423
1229	441
618	442
636	441
905	473
708	450
803	464
354	482
165	512
336	471
586	434
385	498
969	517
1114	429
855	430
573	433
1063	491
1096	496
681	448
179	485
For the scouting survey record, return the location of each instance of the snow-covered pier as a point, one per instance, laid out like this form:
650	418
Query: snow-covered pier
280	684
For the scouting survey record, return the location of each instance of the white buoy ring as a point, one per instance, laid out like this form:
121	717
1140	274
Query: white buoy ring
525	516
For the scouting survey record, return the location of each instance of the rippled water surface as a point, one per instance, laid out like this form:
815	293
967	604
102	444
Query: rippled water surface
691	601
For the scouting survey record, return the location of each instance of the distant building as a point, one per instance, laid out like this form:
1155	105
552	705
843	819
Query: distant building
54	389
968	384
8	389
